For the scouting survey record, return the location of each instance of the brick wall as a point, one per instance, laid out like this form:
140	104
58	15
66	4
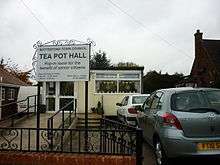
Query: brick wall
33	158
205	71
202	63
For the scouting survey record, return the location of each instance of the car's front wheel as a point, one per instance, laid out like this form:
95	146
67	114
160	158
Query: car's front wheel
161	158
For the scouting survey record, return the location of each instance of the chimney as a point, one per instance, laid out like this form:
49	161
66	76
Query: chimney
198	43
198	35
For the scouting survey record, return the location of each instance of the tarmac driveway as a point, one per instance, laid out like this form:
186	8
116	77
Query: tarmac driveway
149	159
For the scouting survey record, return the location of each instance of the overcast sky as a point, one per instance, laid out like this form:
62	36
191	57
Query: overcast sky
159	34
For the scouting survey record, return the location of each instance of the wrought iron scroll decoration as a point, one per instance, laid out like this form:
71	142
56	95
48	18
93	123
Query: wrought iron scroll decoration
9	139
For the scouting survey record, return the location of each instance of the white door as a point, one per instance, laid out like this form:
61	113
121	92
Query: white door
66	96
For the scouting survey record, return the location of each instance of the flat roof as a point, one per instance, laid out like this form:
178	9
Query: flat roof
120	68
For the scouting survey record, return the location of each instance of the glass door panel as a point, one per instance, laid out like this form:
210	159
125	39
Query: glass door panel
68	103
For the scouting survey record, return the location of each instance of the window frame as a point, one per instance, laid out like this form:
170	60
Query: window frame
125	100
118	79
60	90
159	98
199	94
3	94
47	104
11	94
48	88
136	90
114	81
150	100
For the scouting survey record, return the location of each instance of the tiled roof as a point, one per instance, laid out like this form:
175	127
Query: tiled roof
8	78
213	49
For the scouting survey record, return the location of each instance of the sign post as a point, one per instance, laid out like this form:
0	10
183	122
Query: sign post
67	61
86	109
86	116
38	118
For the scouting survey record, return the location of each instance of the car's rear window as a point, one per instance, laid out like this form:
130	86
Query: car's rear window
139	99
188	100
213	98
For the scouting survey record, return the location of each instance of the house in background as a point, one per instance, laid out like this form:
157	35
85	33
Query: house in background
205	71
9	88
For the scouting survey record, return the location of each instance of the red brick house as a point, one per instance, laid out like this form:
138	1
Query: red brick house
9	88
205	71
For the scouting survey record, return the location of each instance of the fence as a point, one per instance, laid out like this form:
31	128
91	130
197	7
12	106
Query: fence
29	105
104	140
110	137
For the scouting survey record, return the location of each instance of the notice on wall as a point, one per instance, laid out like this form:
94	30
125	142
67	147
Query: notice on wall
63	63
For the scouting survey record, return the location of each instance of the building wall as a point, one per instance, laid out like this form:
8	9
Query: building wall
108	100
11	108
80	95
203	71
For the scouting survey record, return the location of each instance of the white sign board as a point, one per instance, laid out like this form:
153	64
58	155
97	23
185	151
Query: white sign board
63	63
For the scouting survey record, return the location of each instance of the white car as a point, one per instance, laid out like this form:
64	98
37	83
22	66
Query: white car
127	109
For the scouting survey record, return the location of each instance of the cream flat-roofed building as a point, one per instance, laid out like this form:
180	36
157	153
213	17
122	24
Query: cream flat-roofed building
105	86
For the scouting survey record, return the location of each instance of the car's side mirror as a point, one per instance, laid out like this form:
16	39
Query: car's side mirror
119	104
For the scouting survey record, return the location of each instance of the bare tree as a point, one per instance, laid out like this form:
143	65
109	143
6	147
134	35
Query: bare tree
14	69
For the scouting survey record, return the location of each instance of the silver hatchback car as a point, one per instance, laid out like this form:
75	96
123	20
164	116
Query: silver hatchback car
182	122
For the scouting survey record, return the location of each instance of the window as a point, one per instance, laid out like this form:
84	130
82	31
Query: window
105	75
67	88
138	99
148	102
50	88
161	101
50	104
3	93
129	76
11	94
187	100
129	86
125	101
213	98
106	86
113	82
67	103
156	100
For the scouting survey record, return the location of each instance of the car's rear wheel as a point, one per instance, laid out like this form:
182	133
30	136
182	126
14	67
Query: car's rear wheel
161	158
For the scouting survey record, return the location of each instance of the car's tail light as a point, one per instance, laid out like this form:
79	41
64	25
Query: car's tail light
132	110
170	119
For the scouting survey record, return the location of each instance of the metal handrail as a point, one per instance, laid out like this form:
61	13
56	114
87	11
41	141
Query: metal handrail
60	109
16	114
50	119
105	120
17	101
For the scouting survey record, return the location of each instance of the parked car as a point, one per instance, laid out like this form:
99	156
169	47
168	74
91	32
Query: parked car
127	109
182	122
